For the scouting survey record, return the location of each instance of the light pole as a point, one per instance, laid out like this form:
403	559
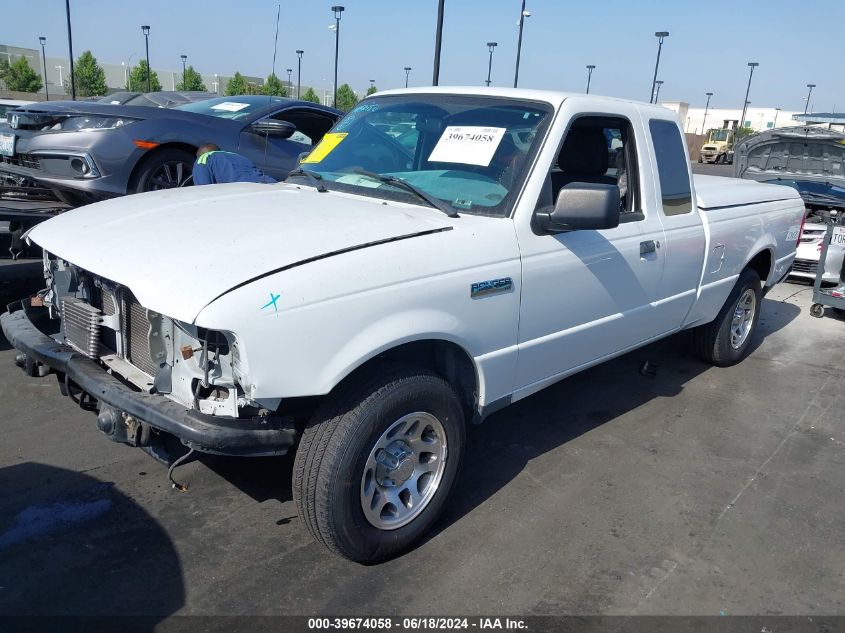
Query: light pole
372	86
492	46
590	69
522	15
660	35
806	105
145	29
43	41
184	72
407	74
337	10
438	40
706	108
70	51
298	71
659	83
289	71
752	66
775	124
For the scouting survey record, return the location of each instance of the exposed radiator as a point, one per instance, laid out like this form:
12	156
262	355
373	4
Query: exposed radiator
81	323
135	325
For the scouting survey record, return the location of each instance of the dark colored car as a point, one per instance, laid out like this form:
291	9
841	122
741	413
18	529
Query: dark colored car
90	151
160	99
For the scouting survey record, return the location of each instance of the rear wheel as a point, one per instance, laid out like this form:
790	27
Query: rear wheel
165	169
376	464
727	339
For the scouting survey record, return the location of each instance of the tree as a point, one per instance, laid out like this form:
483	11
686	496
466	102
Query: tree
237	85
273	86
138	78
311	96
90	77
372	90
19	76
192	80
346	98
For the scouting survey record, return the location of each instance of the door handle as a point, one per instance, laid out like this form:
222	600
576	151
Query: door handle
649	246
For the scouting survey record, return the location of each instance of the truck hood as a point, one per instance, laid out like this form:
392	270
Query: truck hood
180	249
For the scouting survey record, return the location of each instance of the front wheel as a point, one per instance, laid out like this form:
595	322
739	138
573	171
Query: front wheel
376	464
727	339
164	169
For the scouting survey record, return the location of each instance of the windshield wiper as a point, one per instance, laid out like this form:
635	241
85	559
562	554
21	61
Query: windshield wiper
314	179
404	184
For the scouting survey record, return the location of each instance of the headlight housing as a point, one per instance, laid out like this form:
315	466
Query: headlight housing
92	122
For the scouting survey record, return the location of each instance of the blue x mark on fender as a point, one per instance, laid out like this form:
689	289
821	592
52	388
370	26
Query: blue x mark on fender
272	302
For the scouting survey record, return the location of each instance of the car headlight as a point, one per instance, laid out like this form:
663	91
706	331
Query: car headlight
93	123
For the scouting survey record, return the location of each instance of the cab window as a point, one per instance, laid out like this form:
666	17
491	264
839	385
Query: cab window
672	167
598	149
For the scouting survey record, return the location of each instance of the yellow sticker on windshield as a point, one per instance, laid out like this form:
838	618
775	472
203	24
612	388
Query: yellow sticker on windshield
324	147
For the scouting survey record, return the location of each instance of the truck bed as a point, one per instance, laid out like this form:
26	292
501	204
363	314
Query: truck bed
717	192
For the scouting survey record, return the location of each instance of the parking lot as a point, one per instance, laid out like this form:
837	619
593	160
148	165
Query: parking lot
685	489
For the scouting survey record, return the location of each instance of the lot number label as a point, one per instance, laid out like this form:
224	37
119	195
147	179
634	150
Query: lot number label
468	145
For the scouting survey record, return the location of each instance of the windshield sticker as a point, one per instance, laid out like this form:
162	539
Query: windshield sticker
467	145
324	147
230	106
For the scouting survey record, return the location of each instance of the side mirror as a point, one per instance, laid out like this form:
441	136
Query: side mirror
582	206
271	127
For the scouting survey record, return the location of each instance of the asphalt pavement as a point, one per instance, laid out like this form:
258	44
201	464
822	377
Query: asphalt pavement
685	489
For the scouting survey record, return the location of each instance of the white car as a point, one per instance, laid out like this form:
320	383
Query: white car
811	160
382	298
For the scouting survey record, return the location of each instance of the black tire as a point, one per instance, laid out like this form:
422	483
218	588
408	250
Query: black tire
713	341
817	310
700	159
162	169
337	442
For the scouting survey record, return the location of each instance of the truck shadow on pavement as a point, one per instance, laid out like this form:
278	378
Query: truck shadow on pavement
500	448
73	545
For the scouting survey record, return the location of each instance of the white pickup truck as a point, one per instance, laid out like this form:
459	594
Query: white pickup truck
440	254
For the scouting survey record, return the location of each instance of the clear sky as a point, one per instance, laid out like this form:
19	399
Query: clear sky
796	42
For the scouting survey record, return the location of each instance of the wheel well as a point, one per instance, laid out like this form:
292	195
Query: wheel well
444	358
187	147
761	263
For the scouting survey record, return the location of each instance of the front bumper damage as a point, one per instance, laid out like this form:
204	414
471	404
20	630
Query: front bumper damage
132	416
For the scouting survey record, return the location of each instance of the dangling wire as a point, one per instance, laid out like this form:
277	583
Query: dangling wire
176	484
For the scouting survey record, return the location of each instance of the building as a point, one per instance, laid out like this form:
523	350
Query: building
758	119
117	75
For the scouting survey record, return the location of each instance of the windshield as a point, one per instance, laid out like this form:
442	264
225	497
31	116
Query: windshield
234	108
468	153
719	135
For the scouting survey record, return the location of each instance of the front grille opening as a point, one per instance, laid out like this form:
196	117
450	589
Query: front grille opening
805	266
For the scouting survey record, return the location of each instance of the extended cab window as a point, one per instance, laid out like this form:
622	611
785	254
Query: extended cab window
601	150
671	167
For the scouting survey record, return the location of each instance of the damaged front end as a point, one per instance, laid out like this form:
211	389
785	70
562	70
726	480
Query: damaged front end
150	378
